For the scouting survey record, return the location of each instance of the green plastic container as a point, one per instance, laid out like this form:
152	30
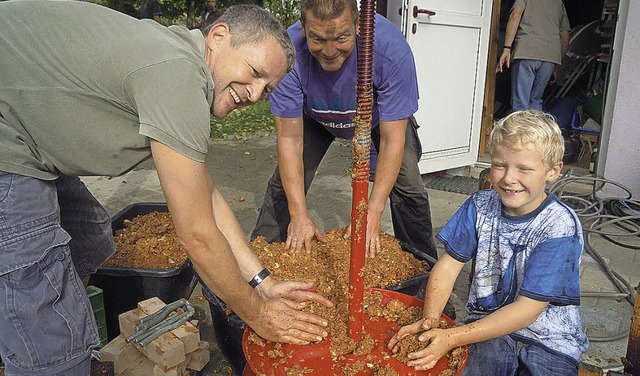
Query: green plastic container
97	304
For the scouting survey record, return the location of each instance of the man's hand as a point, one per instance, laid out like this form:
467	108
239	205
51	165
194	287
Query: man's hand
281	318
292	290
505	59
301	231
372	236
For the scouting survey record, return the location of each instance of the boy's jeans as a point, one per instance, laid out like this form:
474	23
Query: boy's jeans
504	356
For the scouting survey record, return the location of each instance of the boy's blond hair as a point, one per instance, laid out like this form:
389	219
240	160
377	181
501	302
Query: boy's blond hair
520	128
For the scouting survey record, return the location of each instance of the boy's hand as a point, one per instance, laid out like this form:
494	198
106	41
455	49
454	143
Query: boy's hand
439	344
424	324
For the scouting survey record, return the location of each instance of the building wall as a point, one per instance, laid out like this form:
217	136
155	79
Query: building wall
622	148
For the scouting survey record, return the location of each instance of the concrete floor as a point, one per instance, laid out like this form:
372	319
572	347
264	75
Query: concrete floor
241	168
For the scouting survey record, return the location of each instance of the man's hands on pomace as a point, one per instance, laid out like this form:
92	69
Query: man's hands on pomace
300	232
281	319
373	234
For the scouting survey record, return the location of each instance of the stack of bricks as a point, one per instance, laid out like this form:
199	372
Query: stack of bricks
171	354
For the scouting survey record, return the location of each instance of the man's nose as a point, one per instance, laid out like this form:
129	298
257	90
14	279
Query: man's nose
330	49
254	92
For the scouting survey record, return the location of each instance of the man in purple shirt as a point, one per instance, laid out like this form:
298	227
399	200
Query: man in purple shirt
316	102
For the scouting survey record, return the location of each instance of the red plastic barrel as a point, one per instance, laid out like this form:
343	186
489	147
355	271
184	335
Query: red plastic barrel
316	358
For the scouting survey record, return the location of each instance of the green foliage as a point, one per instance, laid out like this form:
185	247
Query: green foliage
286	11
250	119
176	12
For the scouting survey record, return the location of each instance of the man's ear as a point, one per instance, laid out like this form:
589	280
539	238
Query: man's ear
304	34
217	34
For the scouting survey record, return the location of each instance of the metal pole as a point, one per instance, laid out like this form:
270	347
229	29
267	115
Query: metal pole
360	175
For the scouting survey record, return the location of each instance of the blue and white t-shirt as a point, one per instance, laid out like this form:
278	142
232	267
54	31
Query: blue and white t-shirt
330	97
536	255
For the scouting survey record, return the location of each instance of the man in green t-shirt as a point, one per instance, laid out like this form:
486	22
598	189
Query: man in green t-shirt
85	90
536	40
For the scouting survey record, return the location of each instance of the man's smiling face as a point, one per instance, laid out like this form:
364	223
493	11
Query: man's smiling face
244	73
331	42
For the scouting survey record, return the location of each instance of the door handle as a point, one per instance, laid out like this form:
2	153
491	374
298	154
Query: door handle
417	11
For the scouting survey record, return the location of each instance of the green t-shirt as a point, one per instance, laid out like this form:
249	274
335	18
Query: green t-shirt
538	36
83	88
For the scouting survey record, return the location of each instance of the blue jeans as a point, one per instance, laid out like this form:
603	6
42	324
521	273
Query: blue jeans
409	202
52	234
529	78
505	356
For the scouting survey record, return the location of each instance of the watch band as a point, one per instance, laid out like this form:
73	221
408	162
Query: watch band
507	47
258	278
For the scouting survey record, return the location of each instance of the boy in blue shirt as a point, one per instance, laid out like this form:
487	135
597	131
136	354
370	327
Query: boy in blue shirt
524	312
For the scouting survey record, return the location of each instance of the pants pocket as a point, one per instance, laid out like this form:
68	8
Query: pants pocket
47	320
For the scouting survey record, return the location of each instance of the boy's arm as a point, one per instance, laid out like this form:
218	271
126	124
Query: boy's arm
508	319
439	286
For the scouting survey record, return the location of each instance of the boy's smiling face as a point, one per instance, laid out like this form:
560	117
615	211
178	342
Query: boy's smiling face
520	178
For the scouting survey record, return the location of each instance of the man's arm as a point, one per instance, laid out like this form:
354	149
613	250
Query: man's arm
391	154
564	43
301	230
209	231
509	38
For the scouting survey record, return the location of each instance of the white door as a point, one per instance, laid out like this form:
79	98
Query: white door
450	42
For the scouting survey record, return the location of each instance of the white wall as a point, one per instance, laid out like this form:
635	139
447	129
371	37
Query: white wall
622	146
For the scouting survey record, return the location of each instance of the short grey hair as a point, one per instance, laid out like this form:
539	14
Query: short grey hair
328	9
250	24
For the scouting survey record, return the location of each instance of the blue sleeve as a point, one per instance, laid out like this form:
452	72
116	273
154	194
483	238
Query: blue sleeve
397	84
552	272
287	99
459	235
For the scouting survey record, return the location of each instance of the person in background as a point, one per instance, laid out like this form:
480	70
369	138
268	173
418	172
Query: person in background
76	103
316	102
210	14
536	40
151	9
524	301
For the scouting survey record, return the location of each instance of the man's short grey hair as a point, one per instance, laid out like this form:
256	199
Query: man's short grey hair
326	10
250	24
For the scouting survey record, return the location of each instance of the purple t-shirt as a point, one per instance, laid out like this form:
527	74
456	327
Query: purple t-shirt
330	97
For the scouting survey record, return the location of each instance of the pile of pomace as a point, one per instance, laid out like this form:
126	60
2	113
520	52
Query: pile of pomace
147	241
327	265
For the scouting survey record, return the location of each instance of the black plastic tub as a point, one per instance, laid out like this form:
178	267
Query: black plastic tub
123	287
229	327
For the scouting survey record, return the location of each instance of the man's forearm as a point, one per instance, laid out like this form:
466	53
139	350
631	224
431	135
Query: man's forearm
512	26
392	139
247	260
290	162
